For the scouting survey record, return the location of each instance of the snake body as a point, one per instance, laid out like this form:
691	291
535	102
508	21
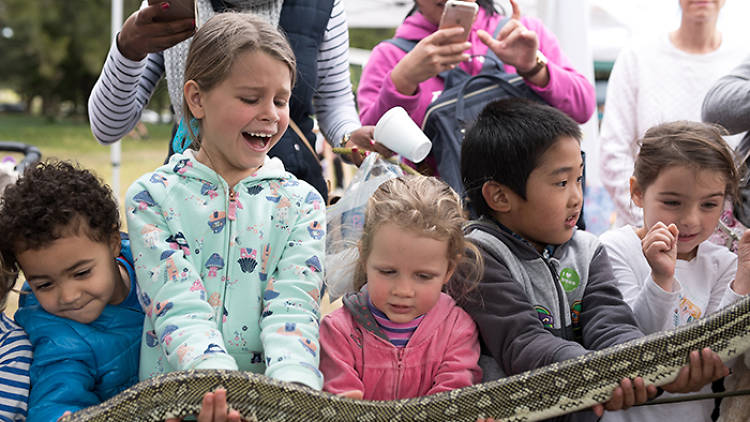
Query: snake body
546	392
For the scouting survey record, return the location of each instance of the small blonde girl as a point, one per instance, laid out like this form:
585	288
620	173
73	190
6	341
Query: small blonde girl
228	244
667	270
401	336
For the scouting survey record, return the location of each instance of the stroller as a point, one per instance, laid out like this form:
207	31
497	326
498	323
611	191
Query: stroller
10	170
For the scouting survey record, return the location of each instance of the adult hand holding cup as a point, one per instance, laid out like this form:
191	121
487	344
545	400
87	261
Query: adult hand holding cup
398	132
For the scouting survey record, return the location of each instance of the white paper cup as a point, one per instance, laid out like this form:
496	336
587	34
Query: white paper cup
398	132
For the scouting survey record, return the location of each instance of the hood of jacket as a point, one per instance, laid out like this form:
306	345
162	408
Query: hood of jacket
520	247
187	165
356	304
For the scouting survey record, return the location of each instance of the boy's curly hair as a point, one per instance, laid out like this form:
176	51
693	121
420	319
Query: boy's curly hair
41	206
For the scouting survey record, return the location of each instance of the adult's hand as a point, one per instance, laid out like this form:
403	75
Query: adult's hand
148	31
516	45
429	57
362	140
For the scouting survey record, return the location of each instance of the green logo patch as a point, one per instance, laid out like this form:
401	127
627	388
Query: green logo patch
569	279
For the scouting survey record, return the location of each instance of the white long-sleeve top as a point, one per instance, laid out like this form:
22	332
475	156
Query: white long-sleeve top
653	82
124	87
701	289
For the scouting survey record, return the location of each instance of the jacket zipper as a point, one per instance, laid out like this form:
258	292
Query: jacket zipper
545	258
232	207
231	216
400	371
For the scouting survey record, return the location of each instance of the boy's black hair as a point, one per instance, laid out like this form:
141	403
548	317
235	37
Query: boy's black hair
505	145
41	206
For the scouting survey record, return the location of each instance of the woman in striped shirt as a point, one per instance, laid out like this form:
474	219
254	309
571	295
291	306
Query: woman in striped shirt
149	47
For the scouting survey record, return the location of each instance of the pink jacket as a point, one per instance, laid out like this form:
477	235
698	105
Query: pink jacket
568	90
442	354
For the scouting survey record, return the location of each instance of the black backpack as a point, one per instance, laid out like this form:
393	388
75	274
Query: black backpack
449	116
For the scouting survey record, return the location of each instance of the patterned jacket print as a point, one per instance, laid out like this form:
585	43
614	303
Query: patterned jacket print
230	276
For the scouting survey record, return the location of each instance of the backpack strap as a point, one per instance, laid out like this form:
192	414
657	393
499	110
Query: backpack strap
404	44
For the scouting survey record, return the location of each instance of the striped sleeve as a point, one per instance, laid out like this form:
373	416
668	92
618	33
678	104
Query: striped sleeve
334	100
122	92
15	359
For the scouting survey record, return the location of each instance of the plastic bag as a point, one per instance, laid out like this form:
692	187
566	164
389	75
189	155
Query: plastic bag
345	220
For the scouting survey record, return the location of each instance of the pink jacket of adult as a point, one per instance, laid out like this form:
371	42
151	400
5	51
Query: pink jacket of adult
568	90
441	355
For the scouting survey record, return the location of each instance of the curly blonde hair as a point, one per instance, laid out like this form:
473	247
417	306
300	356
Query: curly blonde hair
431	208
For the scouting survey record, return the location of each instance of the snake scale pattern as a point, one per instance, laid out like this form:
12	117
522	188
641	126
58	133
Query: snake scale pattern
550	391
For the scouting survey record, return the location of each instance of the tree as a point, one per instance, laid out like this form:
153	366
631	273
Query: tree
57	49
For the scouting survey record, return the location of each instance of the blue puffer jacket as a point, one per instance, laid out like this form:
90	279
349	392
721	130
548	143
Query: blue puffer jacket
79	365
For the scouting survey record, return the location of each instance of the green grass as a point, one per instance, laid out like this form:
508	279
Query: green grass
71	139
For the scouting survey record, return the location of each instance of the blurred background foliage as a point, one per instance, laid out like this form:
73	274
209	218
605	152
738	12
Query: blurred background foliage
53	51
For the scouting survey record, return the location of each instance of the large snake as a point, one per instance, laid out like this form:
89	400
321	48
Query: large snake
539	394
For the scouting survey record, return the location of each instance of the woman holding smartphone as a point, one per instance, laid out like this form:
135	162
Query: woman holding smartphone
410	80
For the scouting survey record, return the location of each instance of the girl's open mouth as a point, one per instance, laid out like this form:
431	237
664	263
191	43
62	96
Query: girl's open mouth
257	141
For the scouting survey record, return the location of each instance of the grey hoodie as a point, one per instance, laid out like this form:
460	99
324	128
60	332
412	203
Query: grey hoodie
533	310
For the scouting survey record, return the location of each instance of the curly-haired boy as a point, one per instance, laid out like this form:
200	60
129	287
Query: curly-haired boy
61	228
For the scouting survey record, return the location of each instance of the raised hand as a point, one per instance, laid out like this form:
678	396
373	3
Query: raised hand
660	249
429	57
148	31
515	45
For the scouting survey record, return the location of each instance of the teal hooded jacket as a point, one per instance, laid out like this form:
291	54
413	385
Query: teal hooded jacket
230	276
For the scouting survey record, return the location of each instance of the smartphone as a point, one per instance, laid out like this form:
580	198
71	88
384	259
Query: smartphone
178	9
459	13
